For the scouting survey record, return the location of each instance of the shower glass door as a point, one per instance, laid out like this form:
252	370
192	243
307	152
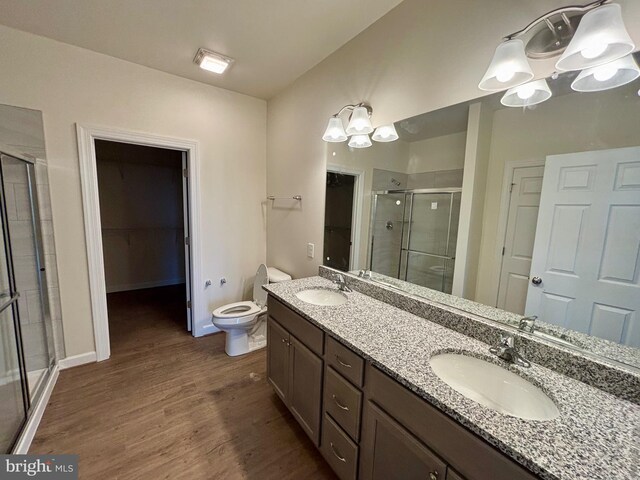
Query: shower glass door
26	332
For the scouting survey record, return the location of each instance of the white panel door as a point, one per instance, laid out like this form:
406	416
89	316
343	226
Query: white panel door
524	202
587	247
187	238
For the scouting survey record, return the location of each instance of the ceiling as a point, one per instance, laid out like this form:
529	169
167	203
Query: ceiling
273	42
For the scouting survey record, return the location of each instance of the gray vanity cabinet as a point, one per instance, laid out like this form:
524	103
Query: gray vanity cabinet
278	359
367	425
389	452
293	369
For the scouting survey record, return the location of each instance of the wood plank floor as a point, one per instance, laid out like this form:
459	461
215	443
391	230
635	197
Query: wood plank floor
167	405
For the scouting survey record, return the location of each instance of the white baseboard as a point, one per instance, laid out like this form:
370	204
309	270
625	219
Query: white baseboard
76	360
142	285
29	432
208	329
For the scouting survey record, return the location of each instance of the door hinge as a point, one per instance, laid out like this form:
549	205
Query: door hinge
185	173
503	249
511	187
188	303
187	240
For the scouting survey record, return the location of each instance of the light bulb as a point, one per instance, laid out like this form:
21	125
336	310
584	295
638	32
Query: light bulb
504	75
526	91
605	72
593	50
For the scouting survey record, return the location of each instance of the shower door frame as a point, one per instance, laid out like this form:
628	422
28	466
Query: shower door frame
34	402
412	192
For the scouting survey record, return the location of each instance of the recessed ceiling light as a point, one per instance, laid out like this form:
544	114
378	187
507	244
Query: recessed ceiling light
212	61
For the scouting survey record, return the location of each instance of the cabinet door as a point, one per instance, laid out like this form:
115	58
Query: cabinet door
305	388
278	358
389	452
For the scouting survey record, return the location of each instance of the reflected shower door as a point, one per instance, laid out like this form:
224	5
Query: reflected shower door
386	233
428	253
23	226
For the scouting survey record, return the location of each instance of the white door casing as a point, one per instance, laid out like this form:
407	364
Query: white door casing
525	185
87	134
587	248
187	237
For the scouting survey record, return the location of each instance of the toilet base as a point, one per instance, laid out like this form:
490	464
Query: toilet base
240	342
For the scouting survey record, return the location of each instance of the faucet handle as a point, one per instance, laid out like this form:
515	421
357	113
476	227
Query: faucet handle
507	340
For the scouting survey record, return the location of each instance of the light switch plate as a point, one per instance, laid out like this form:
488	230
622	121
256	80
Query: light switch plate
311	250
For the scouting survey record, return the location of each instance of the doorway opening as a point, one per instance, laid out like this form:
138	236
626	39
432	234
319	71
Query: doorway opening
343	201
144	212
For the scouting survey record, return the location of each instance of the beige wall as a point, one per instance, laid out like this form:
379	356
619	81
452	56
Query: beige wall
438	153
72	85
567	124
421	56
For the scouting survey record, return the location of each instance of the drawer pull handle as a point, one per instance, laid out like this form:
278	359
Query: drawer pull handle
343	407
336	454
341	362
433	475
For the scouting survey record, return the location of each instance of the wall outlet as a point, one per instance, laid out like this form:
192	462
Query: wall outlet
311	250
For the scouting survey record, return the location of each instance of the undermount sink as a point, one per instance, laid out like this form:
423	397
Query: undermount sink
323	297
493	386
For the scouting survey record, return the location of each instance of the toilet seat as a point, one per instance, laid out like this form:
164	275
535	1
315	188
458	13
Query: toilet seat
237	310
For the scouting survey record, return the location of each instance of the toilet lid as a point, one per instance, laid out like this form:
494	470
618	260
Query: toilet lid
262	278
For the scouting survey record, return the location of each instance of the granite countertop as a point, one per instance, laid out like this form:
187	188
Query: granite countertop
596	436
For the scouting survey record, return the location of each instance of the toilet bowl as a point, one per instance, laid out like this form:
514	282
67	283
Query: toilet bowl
244	322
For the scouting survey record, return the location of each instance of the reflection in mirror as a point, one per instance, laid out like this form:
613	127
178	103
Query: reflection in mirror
21	131
531	211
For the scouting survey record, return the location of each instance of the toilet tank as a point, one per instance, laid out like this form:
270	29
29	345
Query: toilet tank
277	276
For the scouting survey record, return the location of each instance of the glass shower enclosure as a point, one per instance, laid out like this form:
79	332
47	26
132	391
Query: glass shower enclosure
26	337
413	235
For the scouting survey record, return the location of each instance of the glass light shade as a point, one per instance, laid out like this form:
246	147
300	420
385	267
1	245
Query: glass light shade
610	75
509	67
385	133
360	141
335	131
359	123
527	94
601	37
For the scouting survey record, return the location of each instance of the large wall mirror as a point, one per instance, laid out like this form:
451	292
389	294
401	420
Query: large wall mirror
504	212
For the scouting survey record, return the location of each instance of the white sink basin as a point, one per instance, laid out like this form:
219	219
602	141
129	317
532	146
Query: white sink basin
493	386
320	296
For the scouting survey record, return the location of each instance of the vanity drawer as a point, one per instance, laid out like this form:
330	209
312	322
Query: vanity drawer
339	450
310	335
468	454
343	402
347	363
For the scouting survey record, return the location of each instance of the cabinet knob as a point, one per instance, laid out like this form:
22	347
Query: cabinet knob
433	475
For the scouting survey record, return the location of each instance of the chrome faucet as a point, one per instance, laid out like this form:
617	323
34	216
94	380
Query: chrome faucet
366	274
342	284
528	324
506	350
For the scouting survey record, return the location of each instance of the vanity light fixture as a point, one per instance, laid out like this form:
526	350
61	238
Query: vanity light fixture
585	37
528	94
385	133
358	129
600	38
508	68
212	61
360	141
610	75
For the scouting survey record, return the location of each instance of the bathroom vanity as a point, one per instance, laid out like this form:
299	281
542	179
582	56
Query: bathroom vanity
357	378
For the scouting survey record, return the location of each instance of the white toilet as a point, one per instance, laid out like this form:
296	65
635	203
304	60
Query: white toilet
244	322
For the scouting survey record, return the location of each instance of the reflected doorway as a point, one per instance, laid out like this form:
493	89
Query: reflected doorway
338	220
